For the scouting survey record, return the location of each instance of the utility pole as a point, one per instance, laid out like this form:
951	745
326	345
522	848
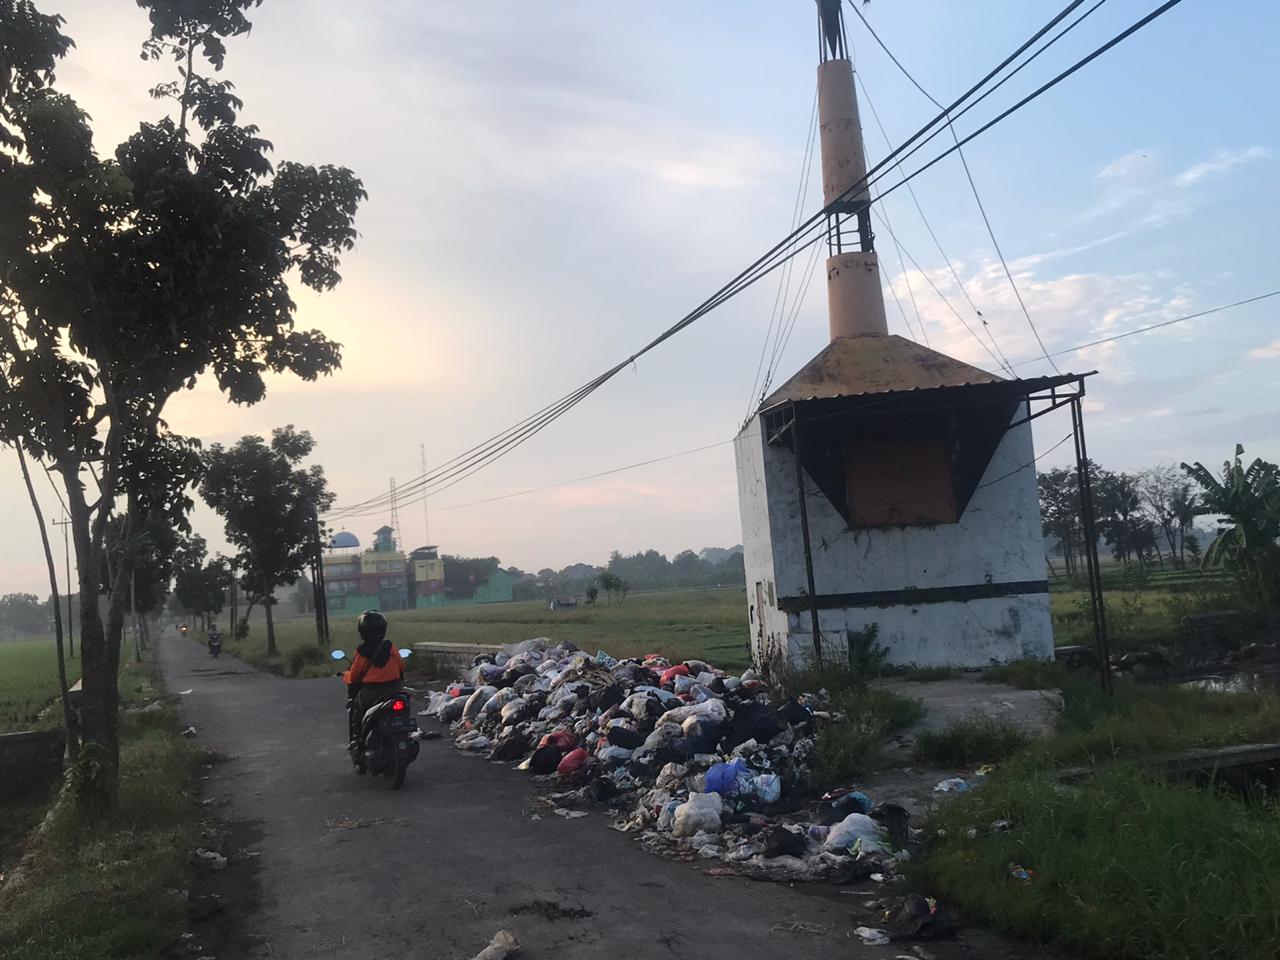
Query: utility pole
66	547
426	516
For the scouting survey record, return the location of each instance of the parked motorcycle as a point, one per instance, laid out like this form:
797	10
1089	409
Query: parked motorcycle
215	643
387	738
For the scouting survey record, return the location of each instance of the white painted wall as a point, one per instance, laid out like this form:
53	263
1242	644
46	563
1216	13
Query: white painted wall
767	623
998	540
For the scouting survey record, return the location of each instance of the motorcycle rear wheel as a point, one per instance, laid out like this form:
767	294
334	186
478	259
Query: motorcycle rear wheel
397	765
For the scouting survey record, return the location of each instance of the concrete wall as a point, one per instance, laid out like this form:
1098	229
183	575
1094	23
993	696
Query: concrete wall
998	540
768	624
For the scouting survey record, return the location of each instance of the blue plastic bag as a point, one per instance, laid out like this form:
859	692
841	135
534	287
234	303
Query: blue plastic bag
723	777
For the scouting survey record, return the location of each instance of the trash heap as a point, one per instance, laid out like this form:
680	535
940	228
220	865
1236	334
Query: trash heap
699	763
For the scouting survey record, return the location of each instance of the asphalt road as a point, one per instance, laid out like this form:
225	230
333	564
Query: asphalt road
346	867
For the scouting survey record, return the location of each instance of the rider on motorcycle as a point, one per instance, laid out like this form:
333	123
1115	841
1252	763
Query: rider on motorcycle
375	673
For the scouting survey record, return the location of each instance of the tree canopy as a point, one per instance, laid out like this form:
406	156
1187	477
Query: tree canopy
270	503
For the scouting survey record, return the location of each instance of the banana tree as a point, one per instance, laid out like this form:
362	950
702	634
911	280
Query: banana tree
1248	497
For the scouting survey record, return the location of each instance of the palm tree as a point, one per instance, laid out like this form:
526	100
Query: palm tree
1250	499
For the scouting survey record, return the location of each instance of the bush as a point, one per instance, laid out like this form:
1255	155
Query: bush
848	749
304	656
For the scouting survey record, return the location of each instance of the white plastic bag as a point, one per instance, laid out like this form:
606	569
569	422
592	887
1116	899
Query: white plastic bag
854	828
701	812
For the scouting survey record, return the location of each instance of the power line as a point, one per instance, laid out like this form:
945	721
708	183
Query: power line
784	281
722	443
1156	326
478	457
1004	264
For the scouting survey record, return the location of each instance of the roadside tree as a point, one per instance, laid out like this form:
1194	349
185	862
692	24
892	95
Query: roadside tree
270	503
123	279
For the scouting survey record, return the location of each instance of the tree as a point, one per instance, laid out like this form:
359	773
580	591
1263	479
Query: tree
122	280
1120	518
463	574
1171	503
270	504
23	614
610	582
1249	499
200	585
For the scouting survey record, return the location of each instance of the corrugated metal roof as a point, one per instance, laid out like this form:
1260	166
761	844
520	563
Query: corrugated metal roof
870	364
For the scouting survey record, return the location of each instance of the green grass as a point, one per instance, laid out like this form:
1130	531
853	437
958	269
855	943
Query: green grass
976	740
1127	867
114	888
1028	674
28	682
705	624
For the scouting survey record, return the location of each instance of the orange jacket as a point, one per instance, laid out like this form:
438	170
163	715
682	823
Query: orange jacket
362	669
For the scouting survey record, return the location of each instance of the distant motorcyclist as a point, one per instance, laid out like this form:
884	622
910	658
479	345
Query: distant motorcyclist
375	672
215	640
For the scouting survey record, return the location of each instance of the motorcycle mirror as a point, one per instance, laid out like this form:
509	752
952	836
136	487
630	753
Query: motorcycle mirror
406	652
337	655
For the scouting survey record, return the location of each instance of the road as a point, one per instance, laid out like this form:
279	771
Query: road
345	867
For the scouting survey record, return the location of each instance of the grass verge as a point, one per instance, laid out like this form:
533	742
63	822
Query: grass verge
114	888
1126	866
970	741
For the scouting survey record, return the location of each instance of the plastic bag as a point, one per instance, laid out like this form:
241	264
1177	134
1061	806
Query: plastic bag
723	777
499	700
476	701
573	761
768	787
452	711
615	755
701	812
855	828
669	675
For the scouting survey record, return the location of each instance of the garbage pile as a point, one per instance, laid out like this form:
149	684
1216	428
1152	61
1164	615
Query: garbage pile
698	762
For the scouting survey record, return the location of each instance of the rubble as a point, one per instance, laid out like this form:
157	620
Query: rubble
698	763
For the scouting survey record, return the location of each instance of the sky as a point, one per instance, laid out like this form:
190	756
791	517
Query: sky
550	185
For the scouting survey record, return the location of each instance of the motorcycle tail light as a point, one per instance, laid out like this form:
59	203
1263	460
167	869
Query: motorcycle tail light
398	706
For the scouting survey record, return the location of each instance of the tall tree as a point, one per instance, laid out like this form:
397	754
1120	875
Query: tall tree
270	504
122	280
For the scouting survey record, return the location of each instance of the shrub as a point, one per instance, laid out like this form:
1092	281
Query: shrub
304	656
971	741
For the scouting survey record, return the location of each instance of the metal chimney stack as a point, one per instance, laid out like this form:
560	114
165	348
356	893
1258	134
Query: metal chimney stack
854	297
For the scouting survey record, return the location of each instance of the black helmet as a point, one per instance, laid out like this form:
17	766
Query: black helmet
372	625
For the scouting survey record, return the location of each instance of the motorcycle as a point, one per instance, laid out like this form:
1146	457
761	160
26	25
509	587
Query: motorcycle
386	739
215	644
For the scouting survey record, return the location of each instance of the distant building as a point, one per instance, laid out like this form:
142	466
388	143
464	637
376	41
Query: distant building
426	583
377	578
496	589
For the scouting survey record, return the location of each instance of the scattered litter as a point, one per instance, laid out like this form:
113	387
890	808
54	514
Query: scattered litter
189	732
802	927
550	910
1021	873
872	937
570	814
504	944
954	785
215	860
917	917
183	693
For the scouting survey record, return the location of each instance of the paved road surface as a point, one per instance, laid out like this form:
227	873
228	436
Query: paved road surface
449	857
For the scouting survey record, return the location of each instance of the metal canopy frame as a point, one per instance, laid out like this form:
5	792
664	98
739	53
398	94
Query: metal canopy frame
1042	395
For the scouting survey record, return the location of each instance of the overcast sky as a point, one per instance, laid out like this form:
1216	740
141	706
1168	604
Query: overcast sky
553	183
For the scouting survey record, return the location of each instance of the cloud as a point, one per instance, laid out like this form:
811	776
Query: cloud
1129	182
1269	352
1067	309
1219	163
1130	165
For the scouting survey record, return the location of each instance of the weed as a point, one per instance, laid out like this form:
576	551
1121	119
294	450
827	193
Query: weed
970	741
1028	674
304	656
926	674
847	749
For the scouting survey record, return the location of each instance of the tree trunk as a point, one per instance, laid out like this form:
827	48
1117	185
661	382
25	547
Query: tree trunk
271	630
68	715
99	697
